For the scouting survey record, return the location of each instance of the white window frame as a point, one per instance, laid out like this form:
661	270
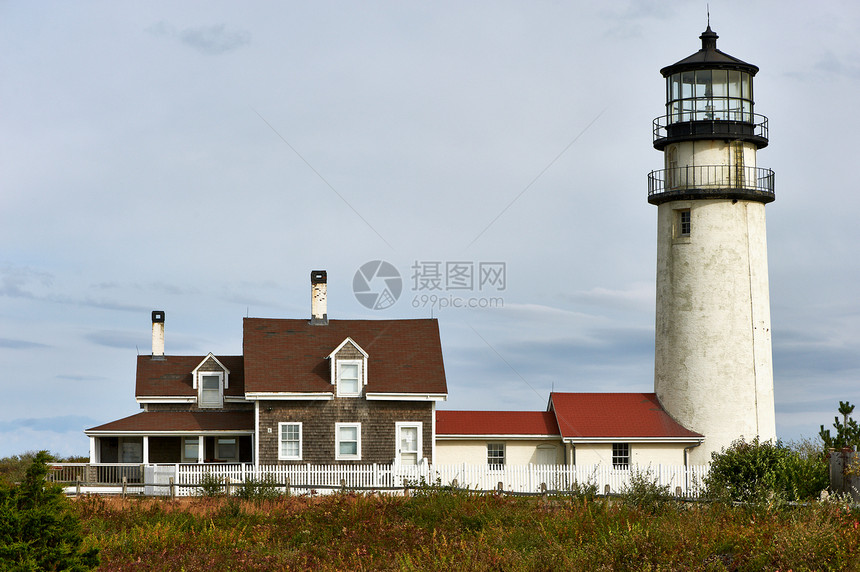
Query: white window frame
398	425
202	375
337	442
621	456
218	454
685	226
281	455
504	457
341	392
195	458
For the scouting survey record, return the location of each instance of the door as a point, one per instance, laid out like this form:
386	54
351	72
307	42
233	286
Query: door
547	455
408	443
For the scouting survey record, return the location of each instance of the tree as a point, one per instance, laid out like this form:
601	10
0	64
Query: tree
37	529
847	431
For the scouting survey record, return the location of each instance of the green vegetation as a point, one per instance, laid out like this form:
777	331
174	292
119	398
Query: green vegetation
764	471
458	530
15	467
847	430
38	531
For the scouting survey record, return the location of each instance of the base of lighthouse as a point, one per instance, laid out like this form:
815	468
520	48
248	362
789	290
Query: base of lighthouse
713	369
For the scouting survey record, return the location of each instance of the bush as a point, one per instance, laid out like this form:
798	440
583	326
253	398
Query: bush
37	529
212	486
644	493
765	471
264	488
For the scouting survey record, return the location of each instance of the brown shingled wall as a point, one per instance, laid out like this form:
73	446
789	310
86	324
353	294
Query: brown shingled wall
318	420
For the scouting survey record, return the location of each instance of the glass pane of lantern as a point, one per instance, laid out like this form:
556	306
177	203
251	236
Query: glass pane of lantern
687	110
719	82
674	112
687	84
703	83
719	108
734	84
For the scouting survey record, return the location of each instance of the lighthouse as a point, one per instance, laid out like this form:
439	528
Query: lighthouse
713	365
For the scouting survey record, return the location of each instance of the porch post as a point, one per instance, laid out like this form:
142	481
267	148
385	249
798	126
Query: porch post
94	455
255	438
146	449
201	448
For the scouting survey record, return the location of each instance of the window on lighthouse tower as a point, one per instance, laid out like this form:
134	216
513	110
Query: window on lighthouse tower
684	226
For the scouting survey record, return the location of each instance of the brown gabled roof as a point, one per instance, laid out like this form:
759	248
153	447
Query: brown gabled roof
537	423
181	421
170	376
596	415
404	356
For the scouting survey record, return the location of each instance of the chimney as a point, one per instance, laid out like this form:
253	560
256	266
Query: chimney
319	316
158	334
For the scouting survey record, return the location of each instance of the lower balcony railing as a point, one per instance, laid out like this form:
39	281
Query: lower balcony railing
711	181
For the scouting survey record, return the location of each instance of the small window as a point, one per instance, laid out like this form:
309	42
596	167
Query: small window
620	455
349	377
684	222
290	441
347	441
210	390
227	449
496	455
191	449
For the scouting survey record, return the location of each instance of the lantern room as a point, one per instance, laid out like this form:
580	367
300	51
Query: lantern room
710	132
709	94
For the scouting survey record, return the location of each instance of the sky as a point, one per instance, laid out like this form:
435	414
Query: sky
203	158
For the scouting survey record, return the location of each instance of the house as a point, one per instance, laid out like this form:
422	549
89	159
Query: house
323	391
577	428
313	391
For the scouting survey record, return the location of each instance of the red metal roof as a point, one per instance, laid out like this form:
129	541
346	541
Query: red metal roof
537	423
181	421
170	376
405	356
614	415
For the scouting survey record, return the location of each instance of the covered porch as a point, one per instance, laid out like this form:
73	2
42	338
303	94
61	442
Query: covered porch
175	437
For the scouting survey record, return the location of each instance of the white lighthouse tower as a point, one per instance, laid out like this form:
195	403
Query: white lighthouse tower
712	369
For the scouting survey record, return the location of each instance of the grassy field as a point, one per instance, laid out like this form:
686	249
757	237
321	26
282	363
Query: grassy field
441	530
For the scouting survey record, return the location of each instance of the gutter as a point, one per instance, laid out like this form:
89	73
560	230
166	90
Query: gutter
686	464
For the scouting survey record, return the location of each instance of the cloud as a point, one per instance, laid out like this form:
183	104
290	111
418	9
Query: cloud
62	424
22	282
20	344
830	64
211	40
115	339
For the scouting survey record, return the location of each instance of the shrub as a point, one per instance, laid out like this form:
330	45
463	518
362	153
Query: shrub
765	471
644	493
264	488
584	491
212	486
37	529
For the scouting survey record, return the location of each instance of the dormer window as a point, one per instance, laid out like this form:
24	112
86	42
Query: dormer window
210	390
348	377
348	366
210	378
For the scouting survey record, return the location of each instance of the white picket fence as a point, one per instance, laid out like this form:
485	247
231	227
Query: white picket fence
187	479
682	481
